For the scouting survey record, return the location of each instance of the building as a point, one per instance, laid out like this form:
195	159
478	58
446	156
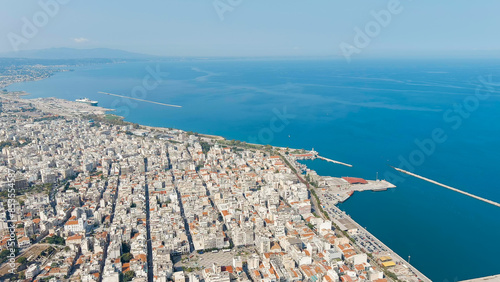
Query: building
32	271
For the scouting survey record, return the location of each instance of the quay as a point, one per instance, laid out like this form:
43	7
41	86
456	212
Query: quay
341	189
397	258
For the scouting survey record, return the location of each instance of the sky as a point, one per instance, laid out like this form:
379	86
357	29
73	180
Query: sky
255	27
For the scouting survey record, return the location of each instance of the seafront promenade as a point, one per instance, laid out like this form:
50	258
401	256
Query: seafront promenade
397	258
334	212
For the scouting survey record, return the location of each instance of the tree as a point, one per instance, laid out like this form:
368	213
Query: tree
129	275
205	147
126	257
55	240
4	254
21	260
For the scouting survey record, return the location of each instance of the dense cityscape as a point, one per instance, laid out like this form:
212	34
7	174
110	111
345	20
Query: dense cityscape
227	140
89	197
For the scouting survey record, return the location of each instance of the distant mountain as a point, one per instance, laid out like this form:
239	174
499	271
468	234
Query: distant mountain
72	53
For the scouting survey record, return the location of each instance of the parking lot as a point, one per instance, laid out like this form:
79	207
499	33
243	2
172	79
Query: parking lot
366	242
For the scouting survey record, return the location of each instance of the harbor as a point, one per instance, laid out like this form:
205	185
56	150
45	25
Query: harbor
338	190
379	250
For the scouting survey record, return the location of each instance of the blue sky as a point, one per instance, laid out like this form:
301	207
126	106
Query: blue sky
257	27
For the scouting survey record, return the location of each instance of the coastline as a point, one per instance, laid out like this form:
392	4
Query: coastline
100	111
361	202
390	251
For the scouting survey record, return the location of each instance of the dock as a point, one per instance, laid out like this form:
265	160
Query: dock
448	187
333	161
338	190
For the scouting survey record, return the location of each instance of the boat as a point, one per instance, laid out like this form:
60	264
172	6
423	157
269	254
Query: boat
87	101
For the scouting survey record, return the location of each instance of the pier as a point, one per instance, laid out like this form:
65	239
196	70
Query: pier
332	161
448	187
137	99
484	279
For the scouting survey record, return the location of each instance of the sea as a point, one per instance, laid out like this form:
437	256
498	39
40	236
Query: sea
437	118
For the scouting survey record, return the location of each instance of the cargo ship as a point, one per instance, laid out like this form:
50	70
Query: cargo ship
87	101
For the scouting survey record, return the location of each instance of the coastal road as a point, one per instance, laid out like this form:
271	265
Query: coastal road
314	201
317	204
393	254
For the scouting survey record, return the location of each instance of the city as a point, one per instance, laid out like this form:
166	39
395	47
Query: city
94	198
257	141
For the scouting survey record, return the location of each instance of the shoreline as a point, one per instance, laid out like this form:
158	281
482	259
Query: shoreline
322	165
100	111
390	251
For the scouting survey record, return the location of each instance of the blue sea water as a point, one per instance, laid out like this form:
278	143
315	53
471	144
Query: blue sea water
367	113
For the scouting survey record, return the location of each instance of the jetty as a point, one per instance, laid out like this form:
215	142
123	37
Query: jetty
333	161
137	99
448	187
484	279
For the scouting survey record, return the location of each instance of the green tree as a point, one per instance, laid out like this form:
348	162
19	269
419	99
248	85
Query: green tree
128	276
205	147
4	254
57	240
126	257
21	260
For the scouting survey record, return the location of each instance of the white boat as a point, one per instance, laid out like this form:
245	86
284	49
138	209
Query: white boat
87	101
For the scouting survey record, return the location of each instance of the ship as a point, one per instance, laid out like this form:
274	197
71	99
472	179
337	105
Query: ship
87	101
